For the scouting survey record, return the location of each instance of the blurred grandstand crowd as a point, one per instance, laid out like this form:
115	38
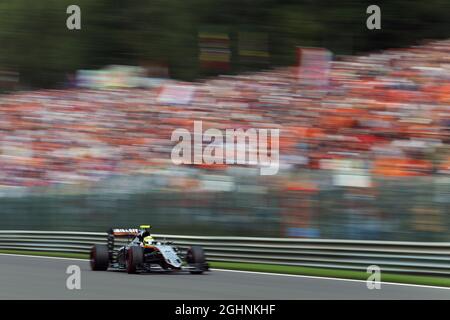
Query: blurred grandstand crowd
388	110
367	156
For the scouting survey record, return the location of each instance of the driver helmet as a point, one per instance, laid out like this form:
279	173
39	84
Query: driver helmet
148	240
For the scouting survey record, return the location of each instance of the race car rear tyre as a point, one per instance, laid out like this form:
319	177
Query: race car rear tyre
99	257
195	257
135	257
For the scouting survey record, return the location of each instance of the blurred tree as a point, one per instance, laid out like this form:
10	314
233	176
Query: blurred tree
34	39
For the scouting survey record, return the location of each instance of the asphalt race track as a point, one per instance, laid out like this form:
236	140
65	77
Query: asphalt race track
25	277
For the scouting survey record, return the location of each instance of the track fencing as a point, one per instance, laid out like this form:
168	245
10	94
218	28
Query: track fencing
405	257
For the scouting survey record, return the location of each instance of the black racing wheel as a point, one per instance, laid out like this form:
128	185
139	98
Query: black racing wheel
135	257
99	257
195	257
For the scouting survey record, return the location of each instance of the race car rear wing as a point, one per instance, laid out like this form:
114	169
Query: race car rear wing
114	233
128	232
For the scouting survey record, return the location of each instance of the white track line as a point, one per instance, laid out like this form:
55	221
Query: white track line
256	272
330	278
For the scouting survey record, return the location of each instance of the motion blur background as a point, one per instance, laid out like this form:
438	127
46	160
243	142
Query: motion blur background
86	116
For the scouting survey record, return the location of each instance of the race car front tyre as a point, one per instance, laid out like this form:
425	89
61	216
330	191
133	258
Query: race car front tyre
99	257
195	257
135	257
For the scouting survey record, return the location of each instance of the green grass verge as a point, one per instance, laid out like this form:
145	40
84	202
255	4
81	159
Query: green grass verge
271	268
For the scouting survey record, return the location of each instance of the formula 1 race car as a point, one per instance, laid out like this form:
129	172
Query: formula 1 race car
142	253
